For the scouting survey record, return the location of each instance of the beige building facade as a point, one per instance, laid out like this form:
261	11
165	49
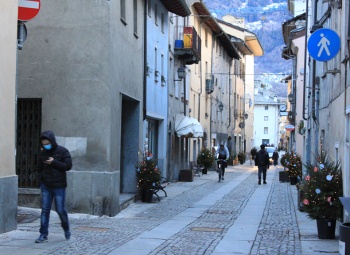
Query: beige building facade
8	177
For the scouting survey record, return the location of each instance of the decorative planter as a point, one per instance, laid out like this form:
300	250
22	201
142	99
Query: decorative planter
186	175
204	171
293	180
147	196
283	176
326	228
344	239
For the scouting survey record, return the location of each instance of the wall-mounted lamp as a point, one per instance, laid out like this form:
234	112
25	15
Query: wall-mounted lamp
181	73
206	115
291	98
221	107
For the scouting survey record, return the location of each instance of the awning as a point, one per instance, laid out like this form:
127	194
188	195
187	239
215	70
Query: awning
187	126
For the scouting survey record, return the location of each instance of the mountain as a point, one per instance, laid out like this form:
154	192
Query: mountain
265	19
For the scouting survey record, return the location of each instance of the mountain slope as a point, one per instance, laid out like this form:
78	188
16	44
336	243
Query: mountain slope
265	19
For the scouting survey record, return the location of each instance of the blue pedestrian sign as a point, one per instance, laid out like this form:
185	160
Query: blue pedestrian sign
323	44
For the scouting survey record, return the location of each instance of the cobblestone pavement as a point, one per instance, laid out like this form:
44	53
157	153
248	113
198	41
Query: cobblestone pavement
278	231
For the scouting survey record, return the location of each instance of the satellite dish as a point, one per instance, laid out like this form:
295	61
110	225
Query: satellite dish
241	125
246	116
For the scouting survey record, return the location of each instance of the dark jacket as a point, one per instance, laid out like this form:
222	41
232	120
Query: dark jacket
53	175
275	155
262	159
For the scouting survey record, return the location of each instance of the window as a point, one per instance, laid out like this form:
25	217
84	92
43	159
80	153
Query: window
266	130
266	118
151	137
122	11
162	77
156	71
149	7
162	23
206	38
135	17
156	14
266	107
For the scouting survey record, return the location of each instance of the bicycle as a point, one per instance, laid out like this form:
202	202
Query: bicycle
221	167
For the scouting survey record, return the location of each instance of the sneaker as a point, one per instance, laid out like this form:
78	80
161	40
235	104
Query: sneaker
41	239
265	182
222	178
259	182
67	235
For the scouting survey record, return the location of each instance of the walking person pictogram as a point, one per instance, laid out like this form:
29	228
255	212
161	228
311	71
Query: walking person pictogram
324	42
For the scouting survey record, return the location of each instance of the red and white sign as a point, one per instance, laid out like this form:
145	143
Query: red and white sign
289	127
28	9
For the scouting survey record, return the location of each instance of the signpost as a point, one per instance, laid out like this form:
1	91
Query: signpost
28	9
323	44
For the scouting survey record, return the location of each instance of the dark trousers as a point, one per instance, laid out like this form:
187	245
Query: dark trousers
47	195
262	170
223	169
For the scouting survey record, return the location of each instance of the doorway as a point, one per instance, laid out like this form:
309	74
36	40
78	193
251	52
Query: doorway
27	141
130	129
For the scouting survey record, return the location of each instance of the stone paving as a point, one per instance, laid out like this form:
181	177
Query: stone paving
278	232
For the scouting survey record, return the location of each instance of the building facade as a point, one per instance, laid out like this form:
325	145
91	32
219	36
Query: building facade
325	113
8	177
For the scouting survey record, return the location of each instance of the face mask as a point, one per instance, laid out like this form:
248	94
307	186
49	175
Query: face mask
47	147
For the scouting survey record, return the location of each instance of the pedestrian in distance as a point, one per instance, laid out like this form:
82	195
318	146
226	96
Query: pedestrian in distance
222	153
275	157
263	162
53	163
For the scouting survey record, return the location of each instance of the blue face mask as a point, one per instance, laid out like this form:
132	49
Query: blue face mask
47	147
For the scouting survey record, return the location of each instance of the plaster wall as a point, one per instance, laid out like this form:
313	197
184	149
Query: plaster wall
157	61
8	178
299	50
75	60
249	102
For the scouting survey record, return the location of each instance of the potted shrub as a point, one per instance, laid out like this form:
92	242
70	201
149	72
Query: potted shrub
283	175
205	158
253	153
148	176
293	167
322	186
241	157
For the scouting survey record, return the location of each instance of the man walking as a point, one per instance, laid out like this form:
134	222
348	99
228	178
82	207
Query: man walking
54	161
263	163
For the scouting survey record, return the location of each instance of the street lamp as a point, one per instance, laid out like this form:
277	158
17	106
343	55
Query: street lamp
221	107
181	73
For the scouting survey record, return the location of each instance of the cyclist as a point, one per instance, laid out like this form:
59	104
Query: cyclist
222	153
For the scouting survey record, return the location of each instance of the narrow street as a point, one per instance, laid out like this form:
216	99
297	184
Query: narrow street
236	216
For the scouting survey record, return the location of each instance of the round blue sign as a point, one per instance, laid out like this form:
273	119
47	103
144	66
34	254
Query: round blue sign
323	44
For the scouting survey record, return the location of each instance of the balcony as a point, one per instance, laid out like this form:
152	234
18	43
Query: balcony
189	48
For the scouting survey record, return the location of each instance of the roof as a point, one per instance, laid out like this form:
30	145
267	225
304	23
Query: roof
212	23
261	99
178	7
250	39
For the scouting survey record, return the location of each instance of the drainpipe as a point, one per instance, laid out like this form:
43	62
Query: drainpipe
229	101
305	59
145	62
313	94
